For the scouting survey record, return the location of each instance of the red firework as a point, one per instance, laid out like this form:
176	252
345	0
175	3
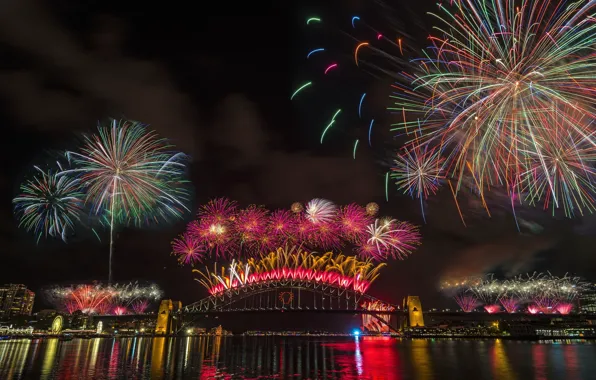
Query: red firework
353	220
140	306
119	310
326	236
219	210
466	303
188	248
223	230
304	229
282	225
250	225
389	238
510	304
491	309
564	308
533	309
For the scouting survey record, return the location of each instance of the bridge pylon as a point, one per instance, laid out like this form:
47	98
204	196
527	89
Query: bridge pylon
414	318
167	321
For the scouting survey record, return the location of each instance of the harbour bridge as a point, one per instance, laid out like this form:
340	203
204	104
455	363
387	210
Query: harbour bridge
289	295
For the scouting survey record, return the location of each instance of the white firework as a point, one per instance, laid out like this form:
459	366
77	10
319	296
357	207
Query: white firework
321	211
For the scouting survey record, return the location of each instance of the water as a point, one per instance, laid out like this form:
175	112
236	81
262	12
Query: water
276	357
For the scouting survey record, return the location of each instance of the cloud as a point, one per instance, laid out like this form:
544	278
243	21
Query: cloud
86	84
276	176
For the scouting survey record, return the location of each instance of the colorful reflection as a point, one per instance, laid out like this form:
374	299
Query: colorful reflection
208	357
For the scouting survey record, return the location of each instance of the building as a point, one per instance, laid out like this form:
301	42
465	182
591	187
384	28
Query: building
15	300
588	301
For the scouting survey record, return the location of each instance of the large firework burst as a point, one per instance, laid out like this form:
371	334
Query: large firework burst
506	95
131	175
49	205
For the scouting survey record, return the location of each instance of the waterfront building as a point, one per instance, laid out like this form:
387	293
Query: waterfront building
588	301
15	300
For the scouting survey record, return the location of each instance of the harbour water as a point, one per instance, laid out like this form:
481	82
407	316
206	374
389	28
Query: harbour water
297	358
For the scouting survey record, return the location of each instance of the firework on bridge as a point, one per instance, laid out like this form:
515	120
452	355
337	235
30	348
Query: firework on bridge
118	299
534	293
501	100
292	264
376	323
50	205
223	230
131	175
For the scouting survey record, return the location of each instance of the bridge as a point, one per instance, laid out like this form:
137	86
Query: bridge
291	295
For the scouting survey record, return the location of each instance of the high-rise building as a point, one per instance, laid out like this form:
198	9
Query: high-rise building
588	301
15	300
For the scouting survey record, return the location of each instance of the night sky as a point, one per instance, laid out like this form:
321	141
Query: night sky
217	83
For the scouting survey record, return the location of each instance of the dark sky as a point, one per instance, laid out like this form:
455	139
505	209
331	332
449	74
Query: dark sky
217	82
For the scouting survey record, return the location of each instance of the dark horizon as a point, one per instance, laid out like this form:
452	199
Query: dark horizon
218	86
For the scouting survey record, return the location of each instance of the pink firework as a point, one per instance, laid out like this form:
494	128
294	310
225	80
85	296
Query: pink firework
304	229
353	221
326	236
466	303
140	306
510	304
250	224
390	238
188	248
216	237
491	309
120	310
564	308
282	224
219	210
321	211
533	309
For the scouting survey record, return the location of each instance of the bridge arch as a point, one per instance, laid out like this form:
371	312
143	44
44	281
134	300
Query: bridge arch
305	295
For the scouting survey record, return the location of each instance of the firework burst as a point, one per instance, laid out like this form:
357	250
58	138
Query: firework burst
494	94
226	231
188	249
320	211
131	175
49	205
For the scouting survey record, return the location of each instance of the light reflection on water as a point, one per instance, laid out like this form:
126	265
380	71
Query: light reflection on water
299	358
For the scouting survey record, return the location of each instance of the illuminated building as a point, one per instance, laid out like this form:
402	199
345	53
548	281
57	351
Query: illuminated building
167	323
15	300
588	301
414	307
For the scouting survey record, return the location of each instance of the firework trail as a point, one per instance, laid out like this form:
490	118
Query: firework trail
130	175
224	230
49	205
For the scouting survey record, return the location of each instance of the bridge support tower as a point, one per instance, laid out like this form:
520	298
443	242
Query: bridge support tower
414	318
167	322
